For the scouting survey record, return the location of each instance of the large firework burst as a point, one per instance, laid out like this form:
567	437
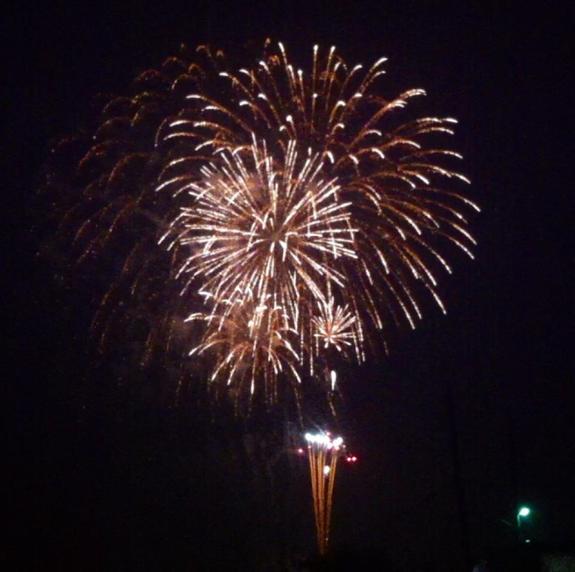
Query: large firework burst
289	212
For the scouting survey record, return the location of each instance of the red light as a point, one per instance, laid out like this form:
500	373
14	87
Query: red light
300	451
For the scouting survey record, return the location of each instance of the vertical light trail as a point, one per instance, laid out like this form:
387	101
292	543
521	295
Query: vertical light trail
323	453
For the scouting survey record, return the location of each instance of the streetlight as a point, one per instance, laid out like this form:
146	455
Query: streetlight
523	512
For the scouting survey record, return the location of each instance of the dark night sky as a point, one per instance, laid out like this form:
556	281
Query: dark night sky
471	413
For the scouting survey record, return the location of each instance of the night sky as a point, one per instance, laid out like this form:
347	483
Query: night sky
470	415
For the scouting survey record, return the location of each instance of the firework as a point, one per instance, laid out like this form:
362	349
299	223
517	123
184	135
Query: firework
266	235
323	453
289	212
344	242
248	341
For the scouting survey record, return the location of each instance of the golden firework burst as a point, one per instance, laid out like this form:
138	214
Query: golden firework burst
300	213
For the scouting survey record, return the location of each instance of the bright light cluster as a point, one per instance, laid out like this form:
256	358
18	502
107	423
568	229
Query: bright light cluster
324	440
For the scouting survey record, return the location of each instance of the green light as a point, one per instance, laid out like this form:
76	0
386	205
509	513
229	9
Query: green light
524	511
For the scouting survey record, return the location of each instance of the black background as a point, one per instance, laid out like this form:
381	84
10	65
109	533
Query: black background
470	415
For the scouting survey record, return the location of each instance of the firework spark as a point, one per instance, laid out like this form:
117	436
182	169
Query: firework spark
299	213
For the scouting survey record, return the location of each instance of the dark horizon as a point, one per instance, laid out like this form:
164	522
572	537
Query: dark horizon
470	415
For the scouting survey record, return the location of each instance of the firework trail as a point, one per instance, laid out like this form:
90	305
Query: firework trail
323	453
289	213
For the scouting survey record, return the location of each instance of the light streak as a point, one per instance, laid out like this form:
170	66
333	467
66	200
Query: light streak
323	453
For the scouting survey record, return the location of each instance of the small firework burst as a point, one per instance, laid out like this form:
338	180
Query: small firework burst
335	326
248	342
